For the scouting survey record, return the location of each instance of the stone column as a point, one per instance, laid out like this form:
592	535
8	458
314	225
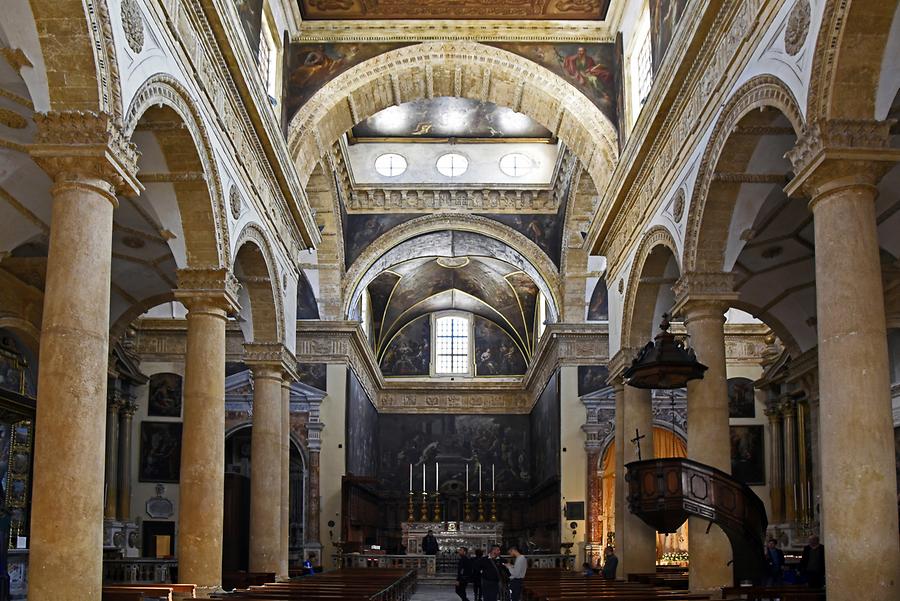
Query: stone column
838	164
620	484
638	542
209	295
114	401
593	532
789	413
90	162
284	571
266	363
702	304
312	530
776	464
126	414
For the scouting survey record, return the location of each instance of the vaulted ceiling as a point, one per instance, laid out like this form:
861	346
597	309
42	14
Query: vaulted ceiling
582	10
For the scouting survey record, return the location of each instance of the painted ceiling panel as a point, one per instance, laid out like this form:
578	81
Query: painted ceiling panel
574	10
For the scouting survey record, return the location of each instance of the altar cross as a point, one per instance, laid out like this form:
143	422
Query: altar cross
637	441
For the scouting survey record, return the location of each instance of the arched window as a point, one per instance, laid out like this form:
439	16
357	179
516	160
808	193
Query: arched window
452	344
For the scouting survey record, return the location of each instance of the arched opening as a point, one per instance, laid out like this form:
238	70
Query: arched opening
238	471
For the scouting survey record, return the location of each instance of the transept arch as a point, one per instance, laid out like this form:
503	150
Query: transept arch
655	252
164	106
257	270
708	223
460	69
545	274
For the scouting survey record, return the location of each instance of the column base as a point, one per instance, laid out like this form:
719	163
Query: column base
204	592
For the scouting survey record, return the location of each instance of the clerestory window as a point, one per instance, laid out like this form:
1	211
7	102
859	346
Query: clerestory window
452	347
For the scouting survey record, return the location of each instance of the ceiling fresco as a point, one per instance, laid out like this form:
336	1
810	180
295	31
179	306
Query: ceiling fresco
445	118
484	286
573	10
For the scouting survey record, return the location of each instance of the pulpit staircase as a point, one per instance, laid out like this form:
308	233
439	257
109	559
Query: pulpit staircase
665	492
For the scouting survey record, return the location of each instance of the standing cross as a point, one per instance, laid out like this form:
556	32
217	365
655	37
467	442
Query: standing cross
637	441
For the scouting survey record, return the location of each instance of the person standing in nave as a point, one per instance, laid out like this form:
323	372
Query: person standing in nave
610	564
492	574
774	563
463	572
476	577
430	544
517	570
812	563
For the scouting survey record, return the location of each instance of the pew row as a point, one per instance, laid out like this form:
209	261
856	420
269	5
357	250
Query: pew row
339	585
559	585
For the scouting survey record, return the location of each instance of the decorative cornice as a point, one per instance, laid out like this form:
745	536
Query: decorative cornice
474	30
212	287
833	153
73	145
270	354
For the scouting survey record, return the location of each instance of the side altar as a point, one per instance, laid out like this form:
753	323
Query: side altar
452	535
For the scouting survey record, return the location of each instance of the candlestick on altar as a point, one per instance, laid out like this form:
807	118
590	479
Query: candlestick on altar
480	507
493	478
437	477
493	507
468	508
424	515
467	477
479	478
411	510
437	507
410	477
423	477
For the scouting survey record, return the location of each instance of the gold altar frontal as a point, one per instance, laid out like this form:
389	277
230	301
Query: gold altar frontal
452	535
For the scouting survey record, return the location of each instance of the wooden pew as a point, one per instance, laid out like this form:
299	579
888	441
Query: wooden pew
168	592
764	593
557	585
123	596
242	580
340	585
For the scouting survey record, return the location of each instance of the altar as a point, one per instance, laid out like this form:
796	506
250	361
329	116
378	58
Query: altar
452	535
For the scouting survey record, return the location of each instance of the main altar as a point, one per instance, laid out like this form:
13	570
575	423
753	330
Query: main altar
452	535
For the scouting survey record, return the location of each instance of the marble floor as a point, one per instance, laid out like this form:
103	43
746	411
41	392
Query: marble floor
428	592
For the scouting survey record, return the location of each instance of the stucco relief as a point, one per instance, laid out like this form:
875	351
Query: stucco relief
133	25
797	27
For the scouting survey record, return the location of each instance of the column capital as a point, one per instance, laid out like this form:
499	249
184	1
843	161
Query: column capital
272	355
618	363
208	288
73	146
832	154
128	408
702	294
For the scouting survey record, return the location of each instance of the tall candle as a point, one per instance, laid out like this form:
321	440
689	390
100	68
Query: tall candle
437	476
479	477
423	476
493	478
410	477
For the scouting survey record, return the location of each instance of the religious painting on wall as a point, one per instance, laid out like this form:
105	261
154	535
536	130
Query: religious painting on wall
165	395
160	452
748	454
251	14
362	230
409	352
313	374
307	307
449	117
741	398
454	442
588	67
592	378
664	17
598	309
897	453
362	430
544	422
495	352
311	66
543	230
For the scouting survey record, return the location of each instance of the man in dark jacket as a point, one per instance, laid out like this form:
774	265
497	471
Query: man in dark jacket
812	563
463	573
476	577
493	574
610	564
774	564
429	544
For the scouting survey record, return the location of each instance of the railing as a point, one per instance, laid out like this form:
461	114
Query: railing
138	571
423	565
402	590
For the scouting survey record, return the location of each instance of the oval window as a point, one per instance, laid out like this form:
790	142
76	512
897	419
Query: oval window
452	164
516	164
390	164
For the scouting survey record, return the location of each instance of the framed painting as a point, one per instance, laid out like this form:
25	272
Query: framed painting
748	454
165	395
741	398
160	452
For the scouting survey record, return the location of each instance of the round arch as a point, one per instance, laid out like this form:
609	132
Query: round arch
640	298
201	204
295	442
545	274
707	231
259	276
842	86
462	69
